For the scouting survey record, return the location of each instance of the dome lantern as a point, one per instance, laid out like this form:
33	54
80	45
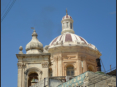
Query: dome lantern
67	24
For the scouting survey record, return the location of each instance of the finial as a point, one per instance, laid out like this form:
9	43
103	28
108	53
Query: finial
66	12
34	33
34	29
20	48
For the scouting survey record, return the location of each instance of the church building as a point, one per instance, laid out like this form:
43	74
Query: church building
67	55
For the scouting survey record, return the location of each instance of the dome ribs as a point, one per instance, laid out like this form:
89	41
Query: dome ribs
68	37
54	40
60	38
76	37
82	39
67	16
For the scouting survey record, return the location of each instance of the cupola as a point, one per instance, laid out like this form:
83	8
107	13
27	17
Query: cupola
67	24
34	46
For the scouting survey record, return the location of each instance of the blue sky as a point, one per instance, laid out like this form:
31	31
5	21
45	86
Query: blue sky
94	20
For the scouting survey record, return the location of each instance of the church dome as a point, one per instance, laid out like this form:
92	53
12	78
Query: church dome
34	46
67	37
70	39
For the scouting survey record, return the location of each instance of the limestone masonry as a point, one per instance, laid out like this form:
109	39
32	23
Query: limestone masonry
66	55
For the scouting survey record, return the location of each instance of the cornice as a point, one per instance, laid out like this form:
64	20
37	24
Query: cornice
32	55
83	49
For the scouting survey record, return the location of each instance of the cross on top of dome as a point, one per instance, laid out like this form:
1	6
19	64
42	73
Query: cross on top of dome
67	16
66	12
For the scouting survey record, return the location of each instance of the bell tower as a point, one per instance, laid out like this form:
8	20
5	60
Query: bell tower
32	66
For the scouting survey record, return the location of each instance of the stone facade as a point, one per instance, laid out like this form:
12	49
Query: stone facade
30	63
63	57
68	54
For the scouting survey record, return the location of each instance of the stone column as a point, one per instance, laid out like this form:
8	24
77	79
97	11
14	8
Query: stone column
84	65
19	74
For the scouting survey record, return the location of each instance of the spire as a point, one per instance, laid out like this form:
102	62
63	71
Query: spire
34	34
66	12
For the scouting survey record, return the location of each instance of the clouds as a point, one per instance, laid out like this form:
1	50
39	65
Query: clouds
114	12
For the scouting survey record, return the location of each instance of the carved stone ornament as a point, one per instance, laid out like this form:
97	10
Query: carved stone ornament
19	65
45	65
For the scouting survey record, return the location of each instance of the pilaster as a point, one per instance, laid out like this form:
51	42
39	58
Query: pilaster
55	66
79	65
60	66
23	69
45	70
84	64
19	74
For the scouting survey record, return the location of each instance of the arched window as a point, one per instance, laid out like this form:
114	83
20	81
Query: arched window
90	68
33	78
70	71
50	72
71	25
66	24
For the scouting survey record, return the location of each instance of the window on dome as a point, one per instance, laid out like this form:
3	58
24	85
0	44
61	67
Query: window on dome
71	25
70	71
66	24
